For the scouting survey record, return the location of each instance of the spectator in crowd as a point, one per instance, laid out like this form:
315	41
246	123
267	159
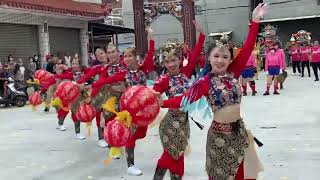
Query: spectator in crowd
95	61
29	71
50	66
10	58
31	59
36	60
19	71
4	75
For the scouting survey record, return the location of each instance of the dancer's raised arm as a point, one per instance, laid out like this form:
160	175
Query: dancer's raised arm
193	57
240	61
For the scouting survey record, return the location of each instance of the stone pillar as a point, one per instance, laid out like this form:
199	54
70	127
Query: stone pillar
44	45
139	27
189	30
84	42
127	13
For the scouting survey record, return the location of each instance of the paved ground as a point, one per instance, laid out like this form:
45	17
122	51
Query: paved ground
32	149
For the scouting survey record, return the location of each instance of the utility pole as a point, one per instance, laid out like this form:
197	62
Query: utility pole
205	19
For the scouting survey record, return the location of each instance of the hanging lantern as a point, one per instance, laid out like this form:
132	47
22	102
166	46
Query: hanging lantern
141	103
86	114
116	134
66	93
35	99
41	76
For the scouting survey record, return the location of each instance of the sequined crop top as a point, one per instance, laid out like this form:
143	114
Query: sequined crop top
177	85
220	91
223	91
135	78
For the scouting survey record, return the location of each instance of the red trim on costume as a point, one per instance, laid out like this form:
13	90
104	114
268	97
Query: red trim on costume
201	88
140	133
62	113
65	75
92	73
46	85
162	84
74	117
98	118
174	166
96	86
240	173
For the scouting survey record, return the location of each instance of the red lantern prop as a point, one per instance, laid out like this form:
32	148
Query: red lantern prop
141	103
117	135
35	99
42	75
67	92
86	113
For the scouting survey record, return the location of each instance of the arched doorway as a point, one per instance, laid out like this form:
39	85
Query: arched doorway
163	33
185	13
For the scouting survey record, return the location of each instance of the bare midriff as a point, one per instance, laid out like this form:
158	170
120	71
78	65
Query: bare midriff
227	114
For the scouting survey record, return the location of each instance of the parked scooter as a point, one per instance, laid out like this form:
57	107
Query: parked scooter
16	94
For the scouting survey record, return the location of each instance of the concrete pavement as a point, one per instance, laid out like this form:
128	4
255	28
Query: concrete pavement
288	125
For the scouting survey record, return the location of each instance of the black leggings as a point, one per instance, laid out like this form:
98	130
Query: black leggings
296	64
305	63
315	67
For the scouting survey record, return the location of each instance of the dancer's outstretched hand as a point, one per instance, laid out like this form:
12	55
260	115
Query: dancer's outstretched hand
81	86
150	32
198	26
160	100
259	12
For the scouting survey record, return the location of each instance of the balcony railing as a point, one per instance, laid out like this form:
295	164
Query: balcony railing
114	20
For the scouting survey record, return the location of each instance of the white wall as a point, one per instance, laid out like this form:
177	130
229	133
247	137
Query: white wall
127	13
292	9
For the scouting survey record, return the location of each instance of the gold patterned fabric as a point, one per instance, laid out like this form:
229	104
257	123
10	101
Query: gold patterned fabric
100	98
50	93
225	151
174	132
75	106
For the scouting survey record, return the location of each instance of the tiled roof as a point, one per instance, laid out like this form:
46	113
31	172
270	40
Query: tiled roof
65	7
